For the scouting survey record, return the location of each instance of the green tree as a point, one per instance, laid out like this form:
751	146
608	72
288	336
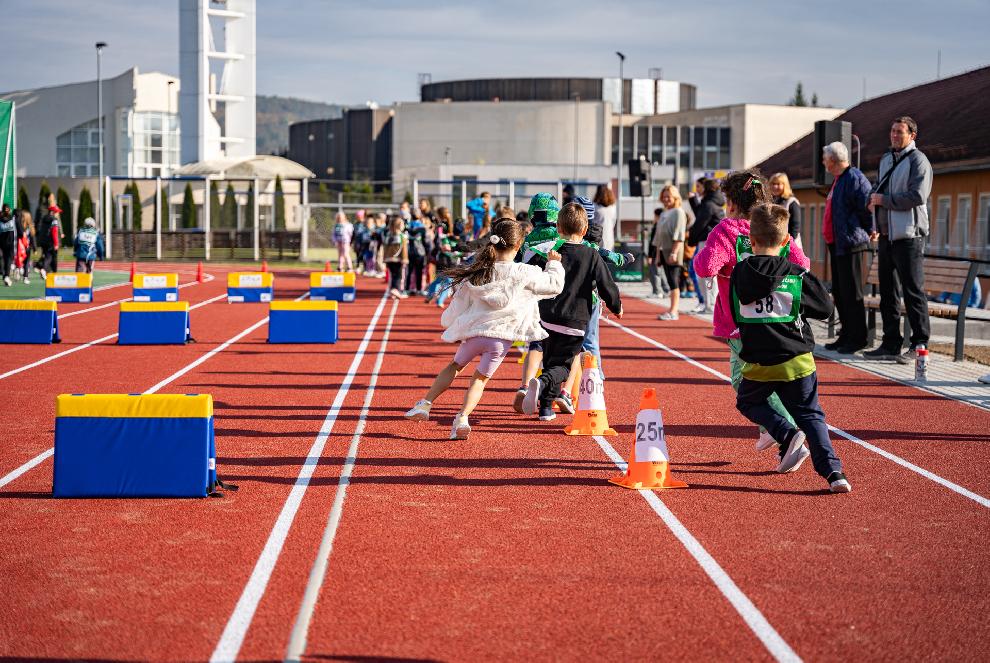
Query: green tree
44	202
279	204
189	219
135	205
228	213
65	204
798	98
86	208
23	200
322	193
408	198
165	209
214	204
814	99
249	209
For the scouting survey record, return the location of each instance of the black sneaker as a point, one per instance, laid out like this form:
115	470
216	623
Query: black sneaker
849	348
881	354
547	413
838	483
834	345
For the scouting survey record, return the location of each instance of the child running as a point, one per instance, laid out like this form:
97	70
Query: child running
771	301
727	244
566	316
495	302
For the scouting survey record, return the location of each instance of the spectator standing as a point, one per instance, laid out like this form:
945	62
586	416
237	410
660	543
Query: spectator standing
25	244
8	242
707	204
88	246
49	235
658	281
898	200
343	234
780	189
445	221
669	242
605	214
846	225
480	211
395	254
417	251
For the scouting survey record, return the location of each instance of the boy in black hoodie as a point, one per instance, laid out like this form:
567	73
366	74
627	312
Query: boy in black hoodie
566	316
771	301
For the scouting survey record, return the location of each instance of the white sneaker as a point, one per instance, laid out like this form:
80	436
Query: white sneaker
838	483
420	411
531	400
460	429
564	403
700	308
6	281
796	454
765	442
668	316
44	274
517	400
27	281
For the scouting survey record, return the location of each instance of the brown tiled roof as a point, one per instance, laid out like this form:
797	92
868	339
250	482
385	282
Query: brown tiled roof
952	116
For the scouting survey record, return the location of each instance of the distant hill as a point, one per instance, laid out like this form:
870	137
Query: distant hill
275	114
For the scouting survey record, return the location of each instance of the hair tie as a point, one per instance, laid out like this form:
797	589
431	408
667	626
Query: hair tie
494	239
750	183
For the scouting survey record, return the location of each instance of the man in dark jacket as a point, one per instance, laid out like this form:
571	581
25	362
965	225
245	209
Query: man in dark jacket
49	236
846	225
771	301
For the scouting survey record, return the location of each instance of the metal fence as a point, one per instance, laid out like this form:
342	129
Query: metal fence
455	194
225	244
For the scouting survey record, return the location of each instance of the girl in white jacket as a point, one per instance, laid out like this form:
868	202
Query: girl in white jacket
494	304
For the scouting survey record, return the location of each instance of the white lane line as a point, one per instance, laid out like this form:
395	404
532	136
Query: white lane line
757	623
50	452
206	279
90	344
300	632
240	619
956	488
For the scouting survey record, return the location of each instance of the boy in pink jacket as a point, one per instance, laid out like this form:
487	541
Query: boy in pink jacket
728	243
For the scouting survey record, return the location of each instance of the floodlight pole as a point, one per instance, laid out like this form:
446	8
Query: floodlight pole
618	185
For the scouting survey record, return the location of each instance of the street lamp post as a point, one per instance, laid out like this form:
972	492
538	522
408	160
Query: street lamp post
100	218
618	186
167	139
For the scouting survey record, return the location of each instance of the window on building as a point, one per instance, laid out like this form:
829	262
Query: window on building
615	145
724	148
656	145
149	142
983	223
670	146
940	237
698	148
642	142
960	229
684	148
627	146
711	148
77	151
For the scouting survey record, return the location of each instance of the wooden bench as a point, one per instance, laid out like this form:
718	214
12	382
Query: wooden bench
954	276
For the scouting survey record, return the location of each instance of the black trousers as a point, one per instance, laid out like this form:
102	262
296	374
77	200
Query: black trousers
559	351
414	279
8	248
394	275
83	265
847	291
49	260
901	272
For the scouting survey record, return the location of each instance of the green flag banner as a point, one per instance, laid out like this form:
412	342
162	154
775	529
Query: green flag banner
8	162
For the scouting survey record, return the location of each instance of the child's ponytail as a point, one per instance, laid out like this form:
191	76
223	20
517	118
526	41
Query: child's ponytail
746	189
505	234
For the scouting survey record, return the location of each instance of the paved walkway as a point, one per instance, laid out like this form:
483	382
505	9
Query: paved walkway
957	380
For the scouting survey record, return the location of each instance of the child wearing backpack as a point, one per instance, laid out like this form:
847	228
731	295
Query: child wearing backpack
727	244
772	299
495	303
417	256
395	254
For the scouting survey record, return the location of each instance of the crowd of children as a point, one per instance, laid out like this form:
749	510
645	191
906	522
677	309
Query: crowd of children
19	239
542	282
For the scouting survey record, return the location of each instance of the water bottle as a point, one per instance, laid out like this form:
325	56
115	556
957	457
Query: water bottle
921	364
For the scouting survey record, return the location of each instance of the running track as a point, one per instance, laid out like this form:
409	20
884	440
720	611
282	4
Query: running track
509	546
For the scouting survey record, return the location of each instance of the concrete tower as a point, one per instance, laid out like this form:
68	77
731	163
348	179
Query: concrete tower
217	69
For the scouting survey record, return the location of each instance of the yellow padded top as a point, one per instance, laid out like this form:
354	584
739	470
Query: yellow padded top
183	406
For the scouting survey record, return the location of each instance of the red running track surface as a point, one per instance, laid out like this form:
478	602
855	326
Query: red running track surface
510	545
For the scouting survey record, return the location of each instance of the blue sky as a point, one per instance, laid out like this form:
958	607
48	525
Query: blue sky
350	52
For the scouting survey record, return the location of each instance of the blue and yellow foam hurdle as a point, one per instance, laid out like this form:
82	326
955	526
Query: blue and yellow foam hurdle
153	323
117	445
250	286
333	286
69	287
302	322
28	322
156	288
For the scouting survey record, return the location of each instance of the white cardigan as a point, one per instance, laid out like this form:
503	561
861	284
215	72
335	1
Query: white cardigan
505	308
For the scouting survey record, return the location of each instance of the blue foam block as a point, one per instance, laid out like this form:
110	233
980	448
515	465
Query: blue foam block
153	328
71	295
342	294
249	294
302	326
28	326
156	294
134	457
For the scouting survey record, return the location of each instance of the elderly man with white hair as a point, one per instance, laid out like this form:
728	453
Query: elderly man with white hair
847	225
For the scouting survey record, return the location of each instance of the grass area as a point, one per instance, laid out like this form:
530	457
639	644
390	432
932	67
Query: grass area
36	289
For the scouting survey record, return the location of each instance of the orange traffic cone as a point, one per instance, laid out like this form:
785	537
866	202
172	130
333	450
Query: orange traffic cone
649	466
264	266
199	273
133	271
326	267
590	417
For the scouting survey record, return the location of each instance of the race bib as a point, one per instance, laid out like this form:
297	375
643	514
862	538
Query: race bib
651	447
591	391
249	280
331	280
65	281
781	305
